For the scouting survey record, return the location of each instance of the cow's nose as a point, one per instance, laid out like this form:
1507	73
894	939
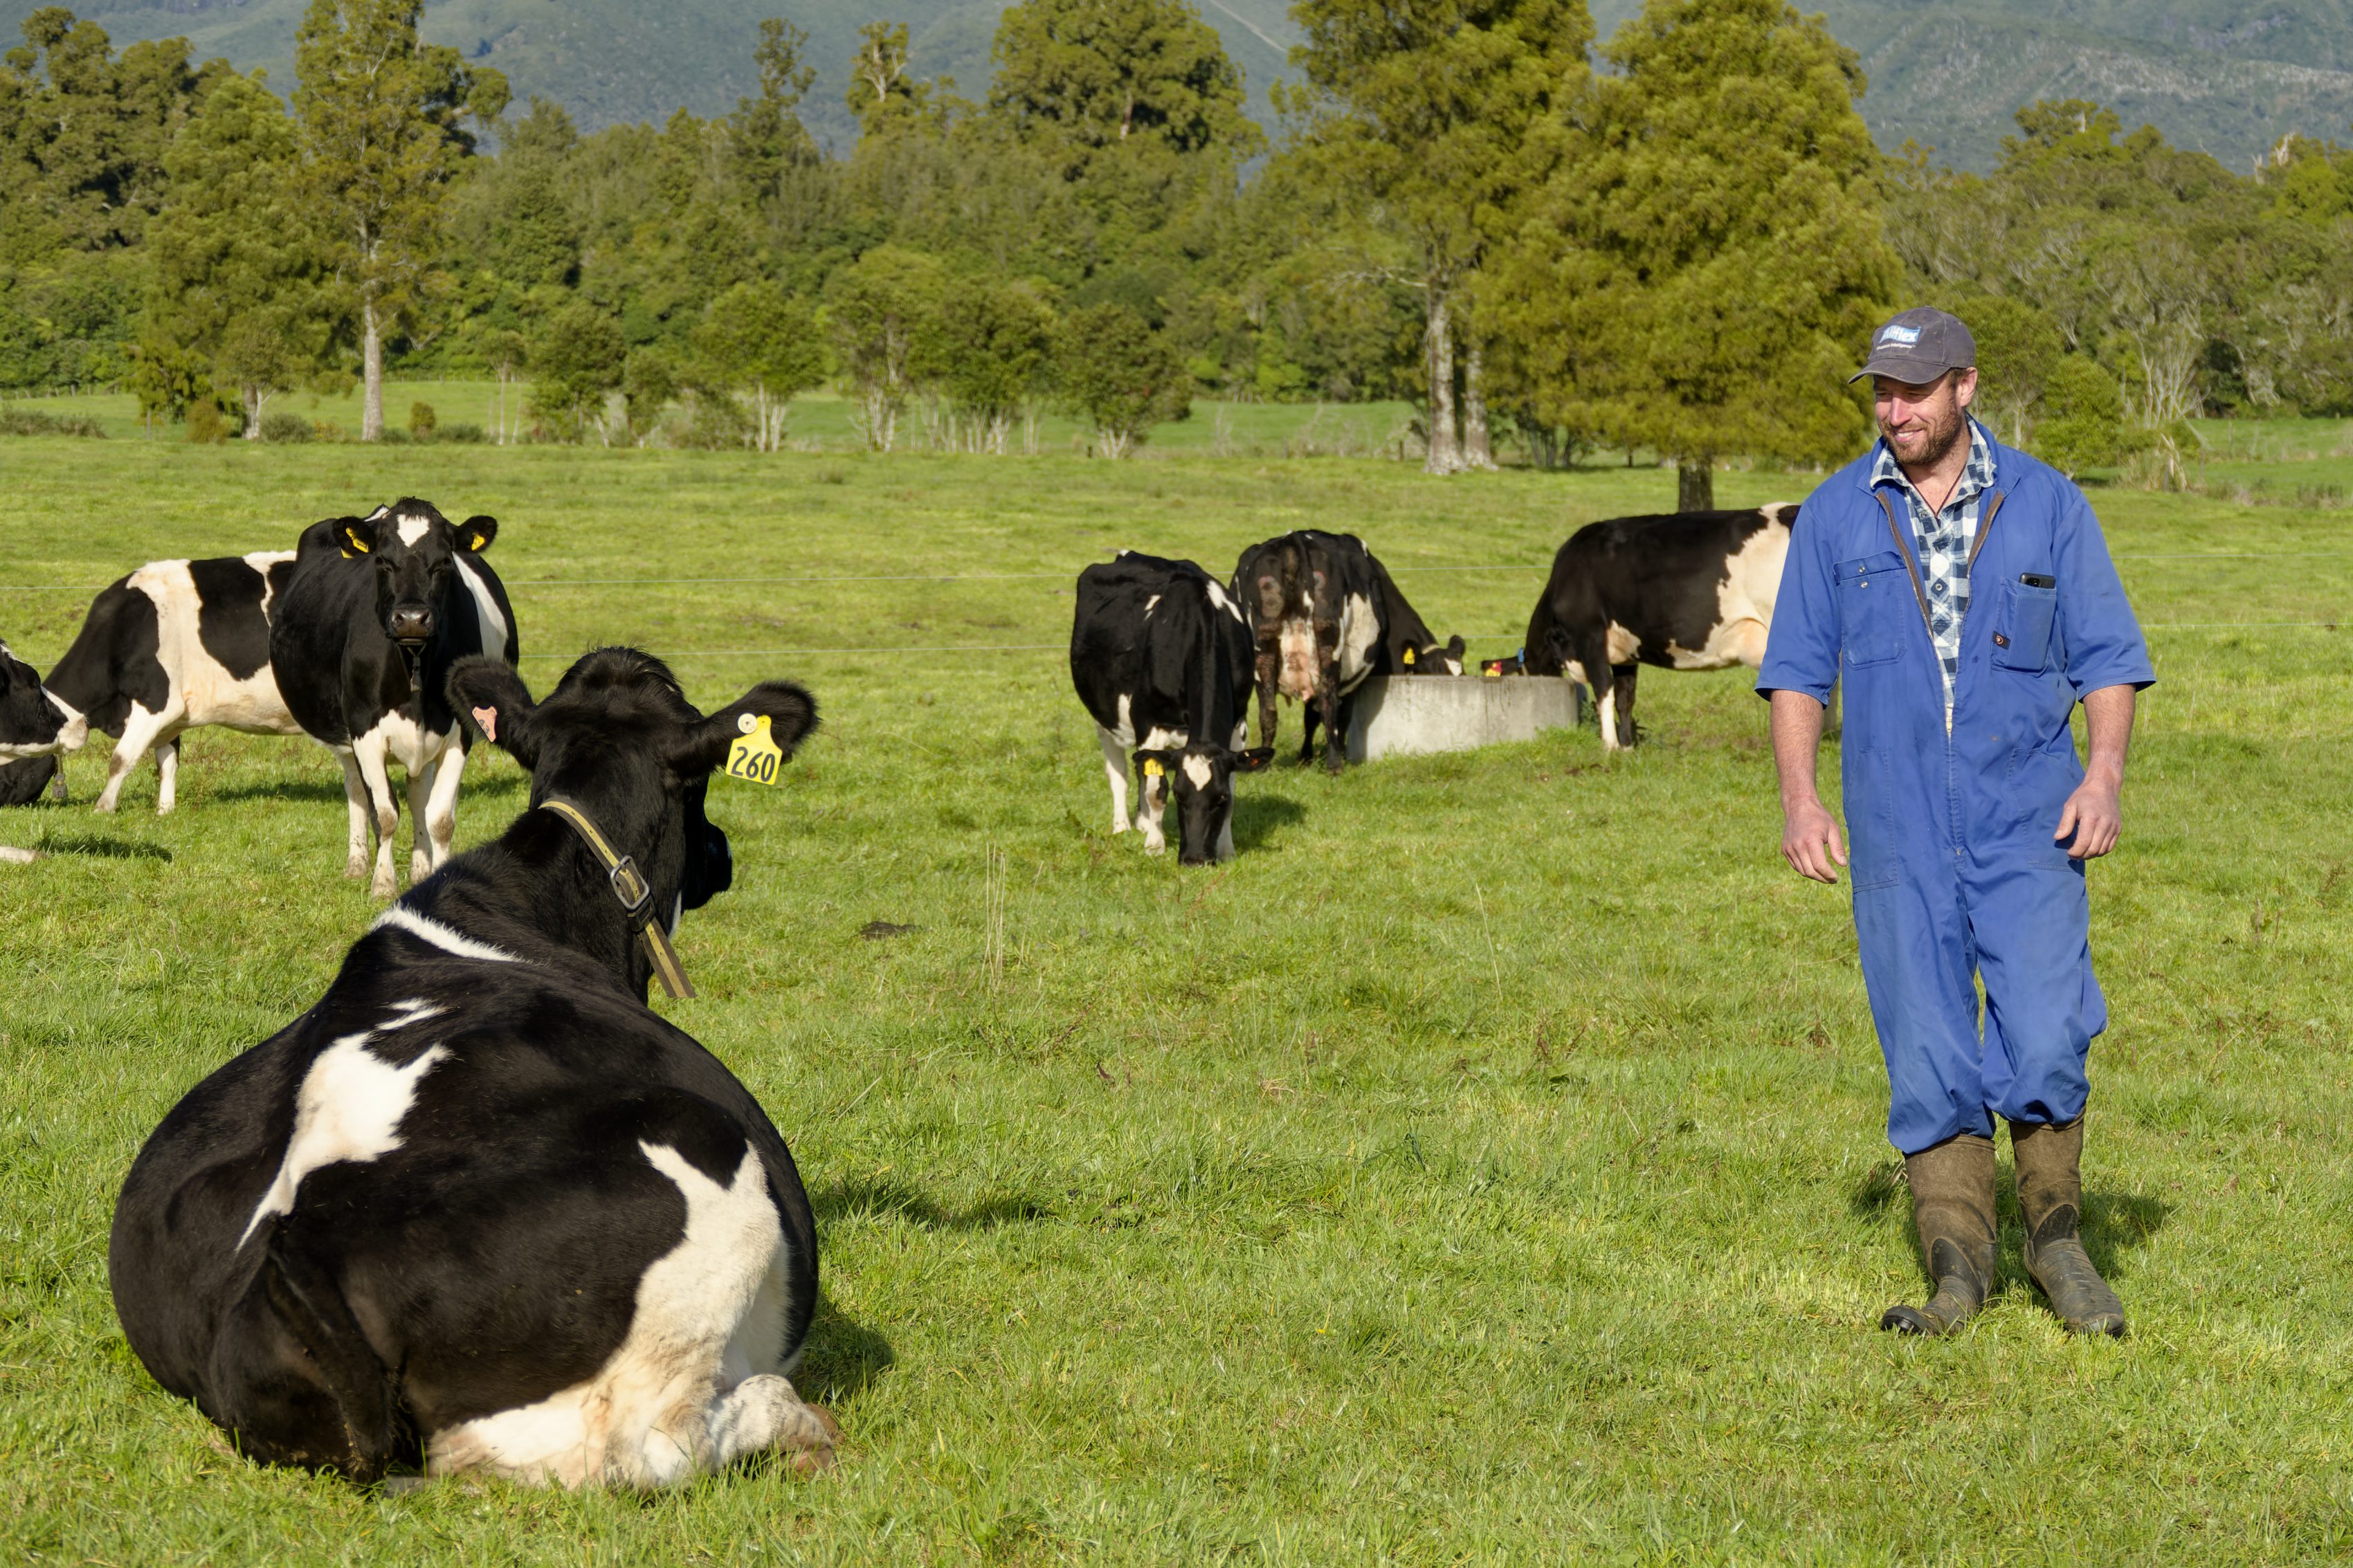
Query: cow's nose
412	624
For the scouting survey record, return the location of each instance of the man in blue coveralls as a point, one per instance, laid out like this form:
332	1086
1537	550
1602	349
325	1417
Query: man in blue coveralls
1962	592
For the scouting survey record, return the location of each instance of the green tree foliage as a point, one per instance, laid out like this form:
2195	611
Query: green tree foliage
1082	75
1702	278
382	132
760	346
990	353
882	309
1121	375
2084	424
577	361
884	93
2018	350
236	267
1437	119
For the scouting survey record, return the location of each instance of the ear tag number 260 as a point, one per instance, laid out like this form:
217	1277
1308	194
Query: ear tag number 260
755	755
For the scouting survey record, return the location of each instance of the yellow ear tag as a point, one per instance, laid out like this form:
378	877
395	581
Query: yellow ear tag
1151	768
755	756
1408	656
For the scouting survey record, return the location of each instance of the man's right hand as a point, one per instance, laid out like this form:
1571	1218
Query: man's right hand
1810	841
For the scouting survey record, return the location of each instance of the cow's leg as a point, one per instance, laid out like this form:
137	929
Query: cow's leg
58	782
140	733
420	837
766	1412
1270	675
1327	696
355	807
167	775
1147	820
1225	847
1592	661
1115	770
1622	682
368	750
440	818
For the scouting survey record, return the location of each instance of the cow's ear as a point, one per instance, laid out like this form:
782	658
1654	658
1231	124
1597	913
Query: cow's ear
1454	645
791	713
1253	759
355	536
497	704
476	533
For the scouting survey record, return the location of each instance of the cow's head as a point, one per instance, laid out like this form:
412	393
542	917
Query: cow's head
33	722
618	740
1436	658
415	549
1200	779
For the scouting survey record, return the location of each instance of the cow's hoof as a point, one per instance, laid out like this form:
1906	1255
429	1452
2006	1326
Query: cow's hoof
1156	846
383	888
356	867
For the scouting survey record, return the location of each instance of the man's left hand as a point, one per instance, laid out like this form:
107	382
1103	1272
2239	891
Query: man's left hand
2093	814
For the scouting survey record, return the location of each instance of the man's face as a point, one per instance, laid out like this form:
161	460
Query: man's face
1922	421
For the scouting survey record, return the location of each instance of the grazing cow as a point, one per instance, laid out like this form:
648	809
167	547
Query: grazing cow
1160	659
35	730
479	1205
1326	615
1689	590
175	645
379	609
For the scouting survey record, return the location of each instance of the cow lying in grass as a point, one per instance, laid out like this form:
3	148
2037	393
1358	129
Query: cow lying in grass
479	1206
35	729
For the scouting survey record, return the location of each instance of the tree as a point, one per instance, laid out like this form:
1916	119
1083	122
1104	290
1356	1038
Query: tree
1092	74
991	352
879	307
768	138
2018	349
882	93
381	132
1438	116
1703	279
1123	377
577	361
236	267
761	345
2084	425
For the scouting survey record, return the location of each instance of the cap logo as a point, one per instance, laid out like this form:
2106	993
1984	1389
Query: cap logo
1904	335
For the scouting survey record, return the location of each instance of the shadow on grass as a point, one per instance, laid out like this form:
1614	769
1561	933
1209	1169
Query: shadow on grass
843	1356
880	1198
100	848
285	789
1257	818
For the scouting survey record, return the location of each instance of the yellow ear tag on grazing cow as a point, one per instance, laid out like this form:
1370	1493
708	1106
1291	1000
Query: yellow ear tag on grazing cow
755	756
1151	768
1409	657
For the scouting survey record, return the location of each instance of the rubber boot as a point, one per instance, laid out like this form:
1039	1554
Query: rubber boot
1952	1204
2051	1194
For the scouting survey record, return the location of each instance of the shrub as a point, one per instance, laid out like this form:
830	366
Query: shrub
204	421
285	425
422	420
460	432
394	436
26	422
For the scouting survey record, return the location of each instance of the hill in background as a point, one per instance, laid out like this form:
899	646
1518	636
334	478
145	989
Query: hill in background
2228	77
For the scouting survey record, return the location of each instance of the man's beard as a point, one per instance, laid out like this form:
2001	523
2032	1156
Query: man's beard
1941	440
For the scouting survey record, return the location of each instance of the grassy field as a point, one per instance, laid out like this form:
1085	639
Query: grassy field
1487	1165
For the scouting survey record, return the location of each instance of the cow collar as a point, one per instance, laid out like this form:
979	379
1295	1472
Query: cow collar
637	899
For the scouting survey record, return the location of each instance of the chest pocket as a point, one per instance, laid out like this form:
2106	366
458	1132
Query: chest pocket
1874	600
2021	628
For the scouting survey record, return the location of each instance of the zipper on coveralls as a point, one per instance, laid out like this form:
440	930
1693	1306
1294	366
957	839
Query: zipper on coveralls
1911	565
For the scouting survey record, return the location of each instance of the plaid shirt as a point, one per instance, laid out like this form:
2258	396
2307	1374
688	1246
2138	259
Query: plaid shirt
1943	538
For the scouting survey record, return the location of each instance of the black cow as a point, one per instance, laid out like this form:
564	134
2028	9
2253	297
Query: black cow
35	730
1325	616
479	1205
1690	590
1160	659
173	646
380	609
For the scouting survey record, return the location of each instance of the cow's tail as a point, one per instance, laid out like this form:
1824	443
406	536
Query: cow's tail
313	1308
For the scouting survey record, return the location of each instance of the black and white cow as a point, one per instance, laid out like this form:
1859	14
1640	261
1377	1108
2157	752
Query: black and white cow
174	646
35	729
1325	616
1689	590
380	607
479	1206
1160	658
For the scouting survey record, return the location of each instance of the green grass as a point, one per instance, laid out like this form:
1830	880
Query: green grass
1487	1165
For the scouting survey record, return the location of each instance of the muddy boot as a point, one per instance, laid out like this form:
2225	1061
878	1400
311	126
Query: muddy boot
1952	1204
2051	1194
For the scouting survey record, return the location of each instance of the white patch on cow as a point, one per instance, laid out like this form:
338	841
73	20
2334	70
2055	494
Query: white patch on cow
449	939
1125	731
1360	632
414	528
12	856
1608	716
1224	849
1198	769
349	1107
1150	605
76	732
1744	601
397	738
696	1385
1241	734
486	610
1147	814
1114	754
380	513
1295	643
1218	600
1624	646
1159	739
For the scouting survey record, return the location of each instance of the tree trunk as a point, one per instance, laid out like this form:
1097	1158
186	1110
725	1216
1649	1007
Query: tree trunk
1477	453
253	414
1438	344
1695	484
372	372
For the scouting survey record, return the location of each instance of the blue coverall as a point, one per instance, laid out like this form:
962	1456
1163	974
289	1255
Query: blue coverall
1955	872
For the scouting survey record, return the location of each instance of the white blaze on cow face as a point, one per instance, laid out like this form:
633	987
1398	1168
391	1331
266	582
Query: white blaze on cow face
1198	769
414	528
699	1380
349	1107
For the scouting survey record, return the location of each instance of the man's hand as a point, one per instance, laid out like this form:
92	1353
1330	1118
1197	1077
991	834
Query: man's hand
2093	814
1810	842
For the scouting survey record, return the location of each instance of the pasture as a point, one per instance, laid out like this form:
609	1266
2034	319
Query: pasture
1487	1165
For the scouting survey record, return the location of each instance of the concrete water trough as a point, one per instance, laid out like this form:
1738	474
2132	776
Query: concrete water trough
1407	715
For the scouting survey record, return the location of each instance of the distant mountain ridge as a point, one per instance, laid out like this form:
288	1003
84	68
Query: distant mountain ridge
2229	77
